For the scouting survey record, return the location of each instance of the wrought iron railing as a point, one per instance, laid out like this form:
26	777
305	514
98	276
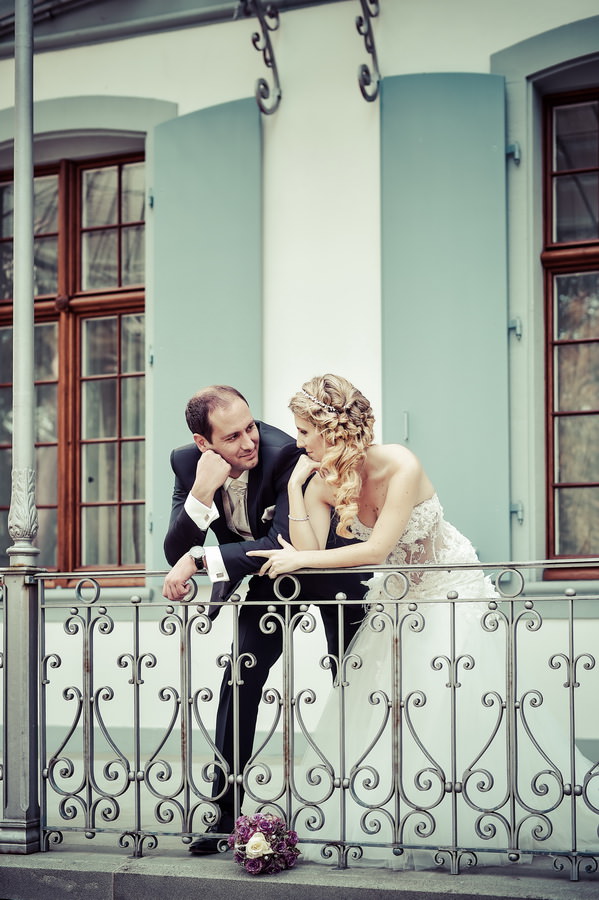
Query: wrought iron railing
450	733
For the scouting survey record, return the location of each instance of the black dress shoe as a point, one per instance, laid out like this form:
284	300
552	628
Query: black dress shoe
210	842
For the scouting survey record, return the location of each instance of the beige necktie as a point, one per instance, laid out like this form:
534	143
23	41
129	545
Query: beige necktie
237	517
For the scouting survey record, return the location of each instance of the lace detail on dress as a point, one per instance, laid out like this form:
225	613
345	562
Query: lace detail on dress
427	539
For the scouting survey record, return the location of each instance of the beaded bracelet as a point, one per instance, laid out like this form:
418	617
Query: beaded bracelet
296	519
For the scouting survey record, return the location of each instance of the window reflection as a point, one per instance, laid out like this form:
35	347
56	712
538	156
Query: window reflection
576	413
577	521
576	210
98	467
133	193
576	129
133	530
99	409
132	343
99	533
99	260
100	346
99	189
113	412
112	216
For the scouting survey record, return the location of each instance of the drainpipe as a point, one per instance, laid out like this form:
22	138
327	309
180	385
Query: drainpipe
22	517
20	821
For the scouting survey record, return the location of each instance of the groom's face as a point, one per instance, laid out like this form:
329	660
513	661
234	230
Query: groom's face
235	436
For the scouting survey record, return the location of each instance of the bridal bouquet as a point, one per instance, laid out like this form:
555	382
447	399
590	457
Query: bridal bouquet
263	845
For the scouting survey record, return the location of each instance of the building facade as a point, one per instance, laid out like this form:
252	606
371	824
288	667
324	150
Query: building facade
433	236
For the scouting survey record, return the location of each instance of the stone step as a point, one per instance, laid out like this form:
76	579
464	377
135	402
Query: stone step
173	874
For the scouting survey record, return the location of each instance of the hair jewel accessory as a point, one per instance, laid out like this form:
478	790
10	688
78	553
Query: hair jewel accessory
326	406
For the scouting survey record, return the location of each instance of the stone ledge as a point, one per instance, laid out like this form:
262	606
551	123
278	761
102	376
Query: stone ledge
105	875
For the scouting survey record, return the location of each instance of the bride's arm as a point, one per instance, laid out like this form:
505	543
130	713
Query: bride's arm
403	490
309	511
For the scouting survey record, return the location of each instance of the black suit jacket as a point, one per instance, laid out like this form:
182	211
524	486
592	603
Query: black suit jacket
268	508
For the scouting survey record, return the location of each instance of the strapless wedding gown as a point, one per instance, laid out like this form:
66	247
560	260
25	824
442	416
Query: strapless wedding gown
424	774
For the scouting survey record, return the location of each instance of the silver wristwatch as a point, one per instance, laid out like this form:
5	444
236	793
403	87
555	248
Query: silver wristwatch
197	554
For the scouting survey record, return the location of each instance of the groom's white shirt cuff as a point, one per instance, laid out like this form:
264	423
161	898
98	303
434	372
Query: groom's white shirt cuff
203	516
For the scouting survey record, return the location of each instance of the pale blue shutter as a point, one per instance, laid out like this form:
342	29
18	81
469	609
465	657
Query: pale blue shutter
204	275
445	365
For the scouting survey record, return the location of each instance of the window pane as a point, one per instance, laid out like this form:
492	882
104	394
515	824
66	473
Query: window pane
576	208
46	487
577	307
7	202
133	188
47	538
98	472
577	453
5	415
133	470
133	550
577	522
99	197
45	266
99	409
132	257
99	262
5	355
576	136
46	413
6	270
577	377
99	536
132	343
100	348
133	407
45	204
46	351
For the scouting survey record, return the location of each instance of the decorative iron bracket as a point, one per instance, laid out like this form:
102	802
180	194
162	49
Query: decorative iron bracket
268	17
368	78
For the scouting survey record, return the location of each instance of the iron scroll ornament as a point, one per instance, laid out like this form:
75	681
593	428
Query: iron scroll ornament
368	78
268	16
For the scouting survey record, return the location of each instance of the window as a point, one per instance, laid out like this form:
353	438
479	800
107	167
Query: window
89	362
571	270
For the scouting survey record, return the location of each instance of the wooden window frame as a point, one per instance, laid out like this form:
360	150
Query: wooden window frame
68	308
558	258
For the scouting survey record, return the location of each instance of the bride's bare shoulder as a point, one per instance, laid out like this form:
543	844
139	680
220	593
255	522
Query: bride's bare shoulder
392	458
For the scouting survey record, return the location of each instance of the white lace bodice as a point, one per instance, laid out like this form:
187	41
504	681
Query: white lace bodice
428	539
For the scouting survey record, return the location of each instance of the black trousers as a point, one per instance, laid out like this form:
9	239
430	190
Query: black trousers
267	649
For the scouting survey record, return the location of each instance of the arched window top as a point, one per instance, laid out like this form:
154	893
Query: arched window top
97	124
565	58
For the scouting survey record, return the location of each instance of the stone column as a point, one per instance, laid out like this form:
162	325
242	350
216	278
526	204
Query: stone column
20	816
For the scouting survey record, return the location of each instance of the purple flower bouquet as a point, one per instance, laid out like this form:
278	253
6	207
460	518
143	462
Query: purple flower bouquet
263	845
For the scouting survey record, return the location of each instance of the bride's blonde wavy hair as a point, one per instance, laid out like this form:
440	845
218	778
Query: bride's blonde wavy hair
343	415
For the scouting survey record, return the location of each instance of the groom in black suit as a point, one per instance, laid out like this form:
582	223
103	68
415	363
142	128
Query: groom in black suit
233	480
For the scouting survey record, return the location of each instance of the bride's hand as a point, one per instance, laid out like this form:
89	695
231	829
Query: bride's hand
278	562
304	467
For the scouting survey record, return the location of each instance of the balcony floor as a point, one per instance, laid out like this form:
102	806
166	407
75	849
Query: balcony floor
79	871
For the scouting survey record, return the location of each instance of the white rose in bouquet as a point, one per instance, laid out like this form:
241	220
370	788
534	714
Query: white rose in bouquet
257	846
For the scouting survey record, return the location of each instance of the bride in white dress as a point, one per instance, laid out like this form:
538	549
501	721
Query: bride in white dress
444	757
